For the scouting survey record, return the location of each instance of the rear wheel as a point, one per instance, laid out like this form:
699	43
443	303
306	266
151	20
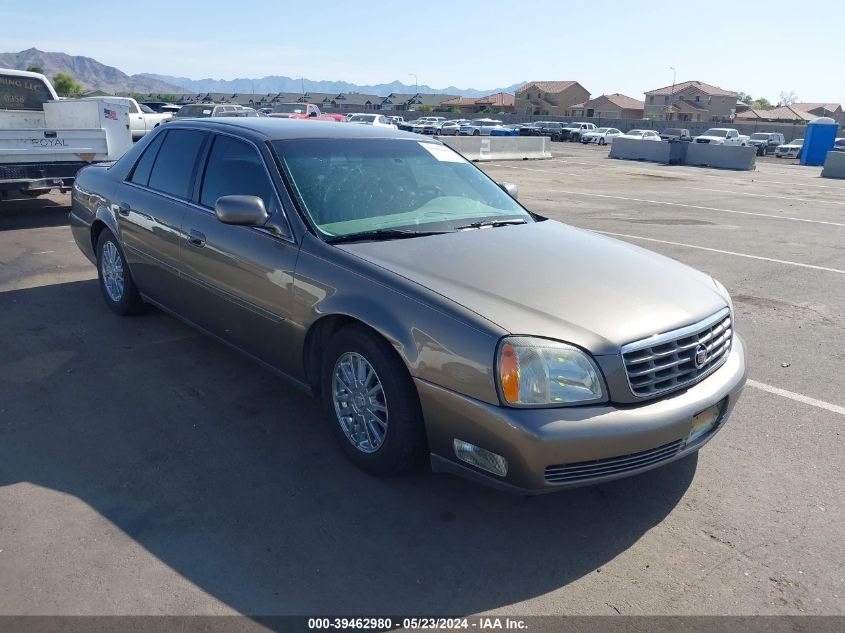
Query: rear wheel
116	282
602	141
476	133
371	403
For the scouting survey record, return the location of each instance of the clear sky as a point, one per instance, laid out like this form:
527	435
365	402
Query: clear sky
761	48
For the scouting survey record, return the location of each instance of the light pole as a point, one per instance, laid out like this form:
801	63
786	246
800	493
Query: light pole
672	94
416	83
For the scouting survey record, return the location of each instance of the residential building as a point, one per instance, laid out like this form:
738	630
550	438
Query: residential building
549	98
690	101
397	101
832	110
499	102
781	114
615	106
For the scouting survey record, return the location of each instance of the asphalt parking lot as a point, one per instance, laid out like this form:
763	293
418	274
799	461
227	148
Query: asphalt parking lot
146	469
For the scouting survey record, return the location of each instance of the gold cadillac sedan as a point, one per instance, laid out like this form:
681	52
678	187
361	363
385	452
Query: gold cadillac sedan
414	296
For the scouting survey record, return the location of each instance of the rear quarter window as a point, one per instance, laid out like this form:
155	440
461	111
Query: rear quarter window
174	165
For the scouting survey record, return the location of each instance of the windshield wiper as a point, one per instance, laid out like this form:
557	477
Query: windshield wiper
381	234
485	223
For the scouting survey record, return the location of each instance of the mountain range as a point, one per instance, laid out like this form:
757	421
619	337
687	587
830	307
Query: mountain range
280	83
94	75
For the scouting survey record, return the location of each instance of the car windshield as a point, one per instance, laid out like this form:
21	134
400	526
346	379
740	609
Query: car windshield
840	142
601	130
673	130
798	141
290	108
195	111
760	137
363	118
715	132
348	186
636	132
485	122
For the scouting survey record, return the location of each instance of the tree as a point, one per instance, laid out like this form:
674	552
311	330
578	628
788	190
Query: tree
66	85
744	97
35	69
761	104
787	98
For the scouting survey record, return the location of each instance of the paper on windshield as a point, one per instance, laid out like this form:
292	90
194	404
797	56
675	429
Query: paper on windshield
443	153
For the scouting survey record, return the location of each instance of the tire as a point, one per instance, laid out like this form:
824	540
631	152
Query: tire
401	423
476	133
602	141
116	284
778	156
764	150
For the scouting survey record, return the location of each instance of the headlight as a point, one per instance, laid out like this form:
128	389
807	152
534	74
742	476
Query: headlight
537	372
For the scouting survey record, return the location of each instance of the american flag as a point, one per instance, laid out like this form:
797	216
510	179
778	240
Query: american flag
110	114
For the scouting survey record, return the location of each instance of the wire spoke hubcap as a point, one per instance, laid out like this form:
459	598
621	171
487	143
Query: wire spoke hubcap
359	402
111	267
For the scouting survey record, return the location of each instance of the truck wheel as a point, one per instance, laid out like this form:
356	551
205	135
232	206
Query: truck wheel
116	282
764	150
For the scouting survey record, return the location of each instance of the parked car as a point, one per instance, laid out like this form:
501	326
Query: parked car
303	111
765	141
573	131
722	136
675	134
396	120
205	110
410	292
478	127
379	120
450	128
142	119
550	128
531	129
504	130
642	135
420	124
838	145
790	150
601	136
157	106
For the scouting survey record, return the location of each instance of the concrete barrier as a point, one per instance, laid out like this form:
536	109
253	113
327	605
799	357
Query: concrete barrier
636	149
480	148
834	165
721	156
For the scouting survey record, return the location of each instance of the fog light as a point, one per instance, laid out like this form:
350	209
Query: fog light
482	458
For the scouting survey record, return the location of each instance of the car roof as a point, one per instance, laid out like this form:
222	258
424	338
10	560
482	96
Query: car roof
272	129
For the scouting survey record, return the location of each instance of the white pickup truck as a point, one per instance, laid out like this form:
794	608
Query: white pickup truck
142	119
45	140
722	136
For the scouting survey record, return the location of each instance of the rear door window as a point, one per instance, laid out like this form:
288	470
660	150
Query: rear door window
173	169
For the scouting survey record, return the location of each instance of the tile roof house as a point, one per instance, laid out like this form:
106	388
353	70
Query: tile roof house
400	101
690	101
833	110
549	97
782	114
499	102
614	106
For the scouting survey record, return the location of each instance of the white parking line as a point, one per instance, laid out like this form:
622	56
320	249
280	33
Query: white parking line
716	250
42	252
833	408
803	184
764	195
695	206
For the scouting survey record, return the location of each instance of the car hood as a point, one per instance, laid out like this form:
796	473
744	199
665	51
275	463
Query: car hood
552	280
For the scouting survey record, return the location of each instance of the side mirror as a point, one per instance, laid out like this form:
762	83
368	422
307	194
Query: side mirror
510	189
312	113
242	210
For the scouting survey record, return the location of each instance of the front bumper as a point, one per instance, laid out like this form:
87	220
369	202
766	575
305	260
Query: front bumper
533	439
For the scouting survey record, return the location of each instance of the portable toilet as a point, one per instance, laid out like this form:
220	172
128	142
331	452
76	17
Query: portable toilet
818	141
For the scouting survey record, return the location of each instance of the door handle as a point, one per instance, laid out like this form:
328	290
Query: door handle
196	238
123	209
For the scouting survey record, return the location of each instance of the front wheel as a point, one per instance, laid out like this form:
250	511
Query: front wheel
371	403
602	141
476	133
116	282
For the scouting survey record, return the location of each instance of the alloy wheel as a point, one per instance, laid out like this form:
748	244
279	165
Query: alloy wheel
359	402
111	267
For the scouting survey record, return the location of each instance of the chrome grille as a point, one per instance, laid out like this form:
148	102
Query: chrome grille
666	362
579	471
